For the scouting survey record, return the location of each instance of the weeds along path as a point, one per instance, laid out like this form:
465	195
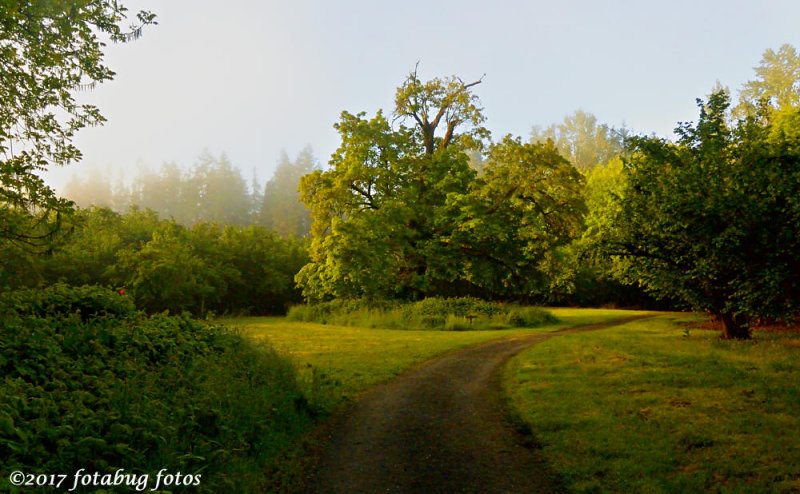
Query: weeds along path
441	427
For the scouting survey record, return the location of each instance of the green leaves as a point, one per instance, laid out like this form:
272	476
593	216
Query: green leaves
446	104
527	204
166	266
401	213
712	220
49	51
122	390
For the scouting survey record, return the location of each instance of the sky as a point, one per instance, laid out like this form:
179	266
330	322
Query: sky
254	78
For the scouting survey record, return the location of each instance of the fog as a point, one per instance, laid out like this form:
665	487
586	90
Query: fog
252	79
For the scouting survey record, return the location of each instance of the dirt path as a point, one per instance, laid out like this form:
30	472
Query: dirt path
439	428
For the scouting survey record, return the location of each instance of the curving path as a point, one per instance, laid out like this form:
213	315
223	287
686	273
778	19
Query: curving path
439	428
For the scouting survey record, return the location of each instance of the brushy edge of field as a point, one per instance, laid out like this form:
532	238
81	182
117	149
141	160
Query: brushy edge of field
433	313
91	383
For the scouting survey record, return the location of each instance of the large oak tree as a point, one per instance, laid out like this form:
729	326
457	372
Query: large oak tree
400	212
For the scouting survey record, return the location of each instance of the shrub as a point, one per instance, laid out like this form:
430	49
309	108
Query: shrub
457	323
167	266
430	313
339	311
124	390
462	306
64	300
528	317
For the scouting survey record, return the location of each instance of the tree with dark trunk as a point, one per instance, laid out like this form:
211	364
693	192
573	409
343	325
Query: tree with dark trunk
401	213
714	218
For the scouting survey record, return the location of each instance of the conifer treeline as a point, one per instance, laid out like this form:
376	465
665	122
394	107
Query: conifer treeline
211	190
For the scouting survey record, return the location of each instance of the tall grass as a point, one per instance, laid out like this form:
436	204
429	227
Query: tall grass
450	314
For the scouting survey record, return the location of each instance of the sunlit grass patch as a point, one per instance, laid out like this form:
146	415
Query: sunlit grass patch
339	362
574	316
342	361
650	407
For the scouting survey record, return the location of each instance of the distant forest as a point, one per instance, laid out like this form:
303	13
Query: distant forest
211	190
577	213
214	190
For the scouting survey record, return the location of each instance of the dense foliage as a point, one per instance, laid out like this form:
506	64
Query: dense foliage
714	219
166	266
401	213
48	51
91	383
451	314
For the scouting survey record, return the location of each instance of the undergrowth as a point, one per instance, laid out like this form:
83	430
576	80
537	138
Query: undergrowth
451	314
89	382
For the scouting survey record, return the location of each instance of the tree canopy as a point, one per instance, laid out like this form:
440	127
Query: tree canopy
48	51
582	140
777	84
401	213
714	218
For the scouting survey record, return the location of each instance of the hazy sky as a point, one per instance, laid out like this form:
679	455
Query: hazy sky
250	78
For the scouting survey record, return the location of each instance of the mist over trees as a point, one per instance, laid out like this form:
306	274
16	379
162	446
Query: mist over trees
777	84
280	209
84	372
211	190
48	53
424	202
582	140
106	367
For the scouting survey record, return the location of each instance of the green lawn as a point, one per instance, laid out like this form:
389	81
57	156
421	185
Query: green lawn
339	362
656	406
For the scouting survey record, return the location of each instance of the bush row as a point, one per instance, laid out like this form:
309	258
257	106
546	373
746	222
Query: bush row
164	265
453	314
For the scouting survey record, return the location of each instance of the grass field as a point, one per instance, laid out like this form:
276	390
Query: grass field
339	362
659	406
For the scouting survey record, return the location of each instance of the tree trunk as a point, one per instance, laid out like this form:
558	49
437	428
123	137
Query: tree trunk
734	327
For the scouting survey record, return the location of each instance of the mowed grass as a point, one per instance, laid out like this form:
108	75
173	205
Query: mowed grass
658	406
337	363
